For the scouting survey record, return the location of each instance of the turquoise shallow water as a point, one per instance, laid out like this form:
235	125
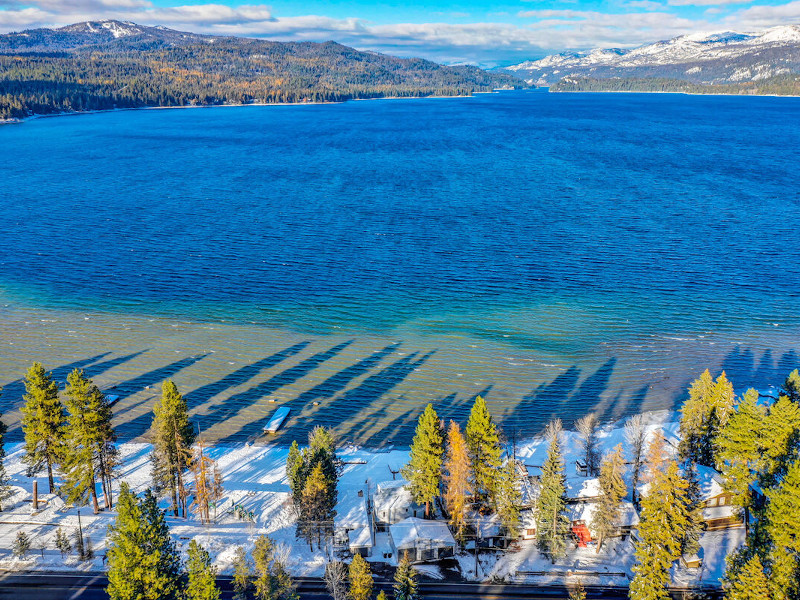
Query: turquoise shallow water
558	252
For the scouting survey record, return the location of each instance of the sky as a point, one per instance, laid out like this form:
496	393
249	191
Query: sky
479	32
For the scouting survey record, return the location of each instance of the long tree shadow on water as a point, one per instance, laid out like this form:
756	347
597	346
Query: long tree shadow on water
345	413
240	402
239	376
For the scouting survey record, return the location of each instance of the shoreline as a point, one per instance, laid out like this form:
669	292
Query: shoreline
19	121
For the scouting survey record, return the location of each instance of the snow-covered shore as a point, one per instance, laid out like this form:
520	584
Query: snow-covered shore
255	480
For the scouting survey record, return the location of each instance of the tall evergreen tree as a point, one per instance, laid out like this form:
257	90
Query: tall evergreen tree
456	480
508	498
294	472
424	469
201	574
360	579
43	421
740	446
751	583
783	526
5	481
143	563
662	529
242	575
483	442
695	524
552	524
706	411
173	437
405	580
606	518
272	579
317	514
781	437
791	387
84	431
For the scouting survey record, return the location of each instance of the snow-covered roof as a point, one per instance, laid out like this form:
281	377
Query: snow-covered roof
360	538
583	487
711	483
411	532
392	498
584	511
390	485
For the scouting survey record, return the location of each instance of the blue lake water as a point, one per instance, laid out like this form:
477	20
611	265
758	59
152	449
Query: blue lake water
557	252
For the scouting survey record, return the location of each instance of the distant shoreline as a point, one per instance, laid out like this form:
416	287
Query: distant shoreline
551	91
17	121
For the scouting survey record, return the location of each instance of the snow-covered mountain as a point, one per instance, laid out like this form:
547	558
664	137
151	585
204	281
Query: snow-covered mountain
722	57
93	33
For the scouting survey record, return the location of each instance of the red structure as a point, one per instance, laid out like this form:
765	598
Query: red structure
581	533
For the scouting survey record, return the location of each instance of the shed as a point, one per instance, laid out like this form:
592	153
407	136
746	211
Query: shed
423	540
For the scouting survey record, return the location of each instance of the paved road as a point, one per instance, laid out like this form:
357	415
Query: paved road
41	586
59	586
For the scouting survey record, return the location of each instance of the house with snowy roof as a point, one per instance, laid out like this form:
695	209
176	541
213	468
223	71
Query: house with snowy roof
393	503
423	540
719	512
353	527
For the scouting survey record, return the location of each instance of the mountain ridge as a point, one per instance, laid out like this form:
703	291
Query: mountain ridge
101	65
704	58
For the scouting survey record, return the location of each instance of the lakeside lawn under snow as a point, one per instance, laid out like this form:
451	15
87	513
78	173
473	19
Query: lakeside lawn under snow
255	479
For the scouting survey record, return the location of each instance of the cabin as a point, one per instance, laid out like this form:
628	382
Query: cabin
719	512
527	524
424	540
393	503
353	527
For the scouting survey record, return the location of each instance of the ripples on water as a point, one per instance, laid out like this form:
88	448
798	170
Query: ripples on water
557	252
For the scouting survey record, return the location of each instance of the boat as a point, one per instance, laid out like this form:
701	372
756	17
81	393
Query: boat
112	398
277	420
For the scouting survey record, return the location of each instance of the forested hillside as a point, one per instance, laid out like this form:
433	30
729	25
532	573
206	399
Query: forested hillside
782	85
104	65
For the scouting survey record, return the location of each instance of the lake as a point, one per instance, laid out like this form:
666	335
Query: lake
557	253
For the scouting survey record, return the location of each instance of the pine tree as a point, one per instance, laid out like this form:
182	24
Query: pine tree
381	596
635	435
662	529
703	415
360	578
456	480
552	524
695	524
202	575
740	446
22	545
63	544
508	498
751	583
80	549
783	511
143	563
43	422
107	452
242	575
207	483
5	480
294	471
317	514
173	437
780	438
791	387
483	442
606	518
80	456
587	428
405	580
272	579
424	469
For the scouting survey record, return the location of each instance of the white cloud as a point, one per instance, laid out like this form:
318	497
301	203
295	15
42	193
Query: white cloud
763	16
705	2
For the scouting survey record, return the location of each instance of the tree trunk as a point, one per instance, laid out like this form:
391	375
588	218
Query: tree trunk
95	505
104	480
174	491
50	476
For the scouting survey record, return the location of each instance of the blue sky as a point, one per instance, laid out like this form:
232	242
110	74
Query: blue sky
474	31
